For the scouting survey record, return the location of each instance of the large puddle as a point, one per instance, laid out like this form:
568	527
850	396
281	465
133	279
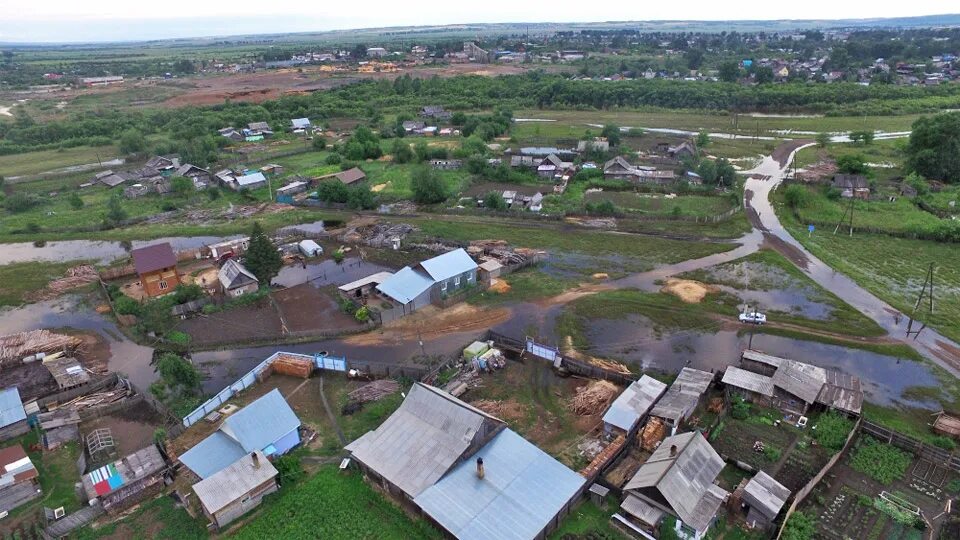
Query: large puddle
101	252
327	272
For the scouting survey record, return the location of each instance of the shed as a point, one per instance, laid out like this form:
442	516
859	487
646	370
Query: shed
351	176
237	489
13	419
310	248
18	478
300	123
125	482
947	425
251	181
748	380
363	286
67	372
520	496
632	405
765	498
683	396
489	270
292	188
803	381
236	280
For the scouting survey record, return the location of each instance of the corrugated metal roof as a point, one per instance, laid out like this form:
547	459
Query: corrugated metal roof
153	258
801	380
234	274
641	509
765	494
522	491
842	392
763	358
262	422
233	482
11	408
212	454
250	179
685	479
634	402
377	278
452	263
405	285
683	395
748	380
300	123
422	439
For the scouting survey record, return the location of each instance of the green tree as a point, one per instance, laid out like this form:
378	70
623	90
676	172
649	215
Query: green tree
319	143
428	187
726	174
361	198
494	201
612	133
852	164
864	137
132	141
262	257
155	317
796	196
177	372
402	153
694	58
800	526
708	171
703	139
763	75
458	118
934	147
729	71
75	201
181	186
918	183
115	211
823	138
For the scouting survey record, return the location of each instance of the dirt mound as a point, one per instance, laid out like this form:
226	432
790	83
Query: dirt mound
601	275
499	286
380	187
688	290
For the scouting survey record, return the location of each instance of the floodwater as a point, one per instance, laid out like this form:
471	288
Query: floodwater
102	252
126	357
635	341
327	272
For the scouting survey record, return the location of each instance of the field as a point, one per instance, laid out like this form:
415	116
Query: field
658	205
333	505
900	216
32	163
18	281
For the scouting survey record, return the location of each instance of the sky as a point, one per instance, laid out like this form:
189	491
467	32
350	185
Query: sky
117	20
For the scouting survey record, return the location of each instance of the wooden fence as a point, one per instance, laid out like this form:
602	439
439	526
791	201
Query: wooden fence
808	488
918	448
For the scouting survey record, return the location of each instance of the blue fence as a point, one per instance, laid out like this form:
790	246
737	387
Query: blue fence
250	378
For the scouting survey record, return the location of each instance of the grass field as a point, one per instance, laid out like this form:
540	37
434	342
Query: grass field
659	205
640	251
888	153
525	286
891	268
588	521
899	216
52	160
332	505
18	280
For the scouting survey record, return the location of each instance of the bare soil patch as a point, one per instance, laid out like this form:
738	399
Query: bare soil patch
782	152
431	322
688	290
306	308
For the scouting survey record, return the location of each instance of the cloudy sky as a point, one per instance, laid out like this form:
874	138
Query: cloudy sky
110	20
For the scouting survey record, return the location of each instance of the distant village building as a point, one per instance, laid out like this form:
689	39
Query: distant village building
348	177
852	186
300	125
763	497
156	267
436	112
683	396
376	52
101	81
430	281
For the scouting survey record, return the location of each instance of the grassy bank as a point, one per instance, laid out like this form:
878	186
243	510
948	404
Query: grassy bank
19	280
525	286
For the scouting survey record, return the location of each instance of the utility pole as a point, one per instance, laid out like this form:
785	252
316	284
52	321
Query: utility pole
848	210
925	291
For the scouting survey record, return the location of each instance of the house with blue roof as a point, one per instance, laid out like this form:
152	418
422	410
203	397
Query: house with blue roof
13	419
430	281
268	424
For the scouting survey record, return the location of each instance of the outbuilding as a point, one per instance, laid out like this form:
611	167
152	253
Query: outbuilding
236	280
309	248
237	489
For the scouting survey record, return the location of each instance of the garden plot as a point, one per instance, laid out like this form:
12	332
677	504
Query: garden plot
737	440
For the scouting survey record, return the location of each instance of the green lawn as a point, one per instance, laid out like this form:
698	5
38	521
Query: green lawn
525	286
332	505
18	280
51	160
899	216
659	205
589	521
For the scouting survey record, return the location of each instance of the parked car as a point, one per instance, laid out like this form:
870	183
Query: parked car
754	317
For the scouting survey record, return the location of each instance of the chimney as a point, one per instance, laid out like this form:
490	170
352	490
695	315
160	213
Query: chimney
480	468
256	459
673	450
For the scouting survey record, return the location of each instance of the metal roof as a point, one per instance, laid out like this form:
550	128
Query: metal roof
377	278
233	482
683	469
801	380
748	380
350	176
842	391
423	439
233	274
11	408
683	395
141	464
490	265
405	285
641	509
261	423
763	358
765	494
634	402
212	455
300	123
250	179
152	258
522	491
452	263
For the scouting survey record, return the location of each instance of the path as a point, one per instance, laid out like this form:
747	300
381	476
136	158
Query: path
333	417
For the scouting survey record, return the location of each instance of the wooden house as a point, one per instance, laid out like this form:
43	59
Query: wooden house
156	266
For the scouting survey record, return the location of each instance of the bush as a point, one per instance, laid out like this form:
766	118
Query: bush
338	256
494	201
740	409
319	143
20	202
800	526
180	338
289	468
953	486
832	430
333	159
882	462
944	442
124	305
362	314
428	188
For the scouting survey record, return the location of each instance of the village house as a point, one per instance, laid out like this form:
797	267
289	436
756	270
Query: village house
236	280
678	479
618	168
527	162
683	396
201	177
465	470
597	144
300	125
348	177
268	424
249	181
156	266
163	164
18	479
230	133
112	179
628	411
121	484
852	186
376	52
412	127
763	498
684	150
237	489
430	281
552	166
13	419
435	111
791	386
262	128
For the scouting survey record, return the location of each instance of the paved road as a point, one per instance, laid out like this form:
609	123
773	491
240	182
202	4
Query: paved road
765	179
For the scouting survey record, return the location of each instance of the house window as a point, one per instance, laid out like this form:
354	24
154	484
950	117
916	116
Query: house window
470	277
456	281
163	285
443	286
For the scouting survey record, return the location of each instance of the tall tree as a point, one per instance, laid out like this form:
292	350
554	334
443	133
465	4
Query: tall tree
262	257
428	187
934	148
729	71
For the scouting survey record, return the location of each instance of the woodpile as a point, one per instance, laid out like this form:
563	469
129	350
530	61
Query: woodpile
610	365
14	348
654	432
490	406
716	405
292	366
593	398
374	391
76	277
97	399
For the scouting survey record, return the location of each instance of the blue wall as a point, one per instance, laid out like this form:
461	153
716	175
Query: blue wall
288	441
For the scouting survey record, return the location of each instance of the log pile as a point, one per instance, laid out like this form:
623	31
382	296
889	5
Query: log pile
610	365
374	391
15	347
654	432
292	366
97	399
593	398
